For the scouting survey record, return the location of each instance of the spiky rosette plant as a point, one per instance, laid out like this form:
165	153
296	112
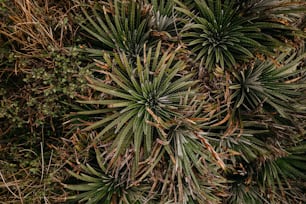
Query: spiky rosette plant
274	85
96	184
115	25
262	172
132	96
220	35
193	167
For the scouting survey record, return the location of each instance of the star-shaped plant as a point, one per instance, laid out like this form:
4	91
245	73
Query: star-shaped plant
269	84
220	35
139	97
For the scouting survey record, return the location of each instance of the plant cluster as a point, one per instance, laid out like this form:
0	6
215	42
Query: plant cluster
224	129
153	101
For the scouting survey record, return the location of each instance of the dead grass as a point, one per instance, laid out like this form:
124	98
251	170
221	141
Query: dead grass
31	177
31	165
